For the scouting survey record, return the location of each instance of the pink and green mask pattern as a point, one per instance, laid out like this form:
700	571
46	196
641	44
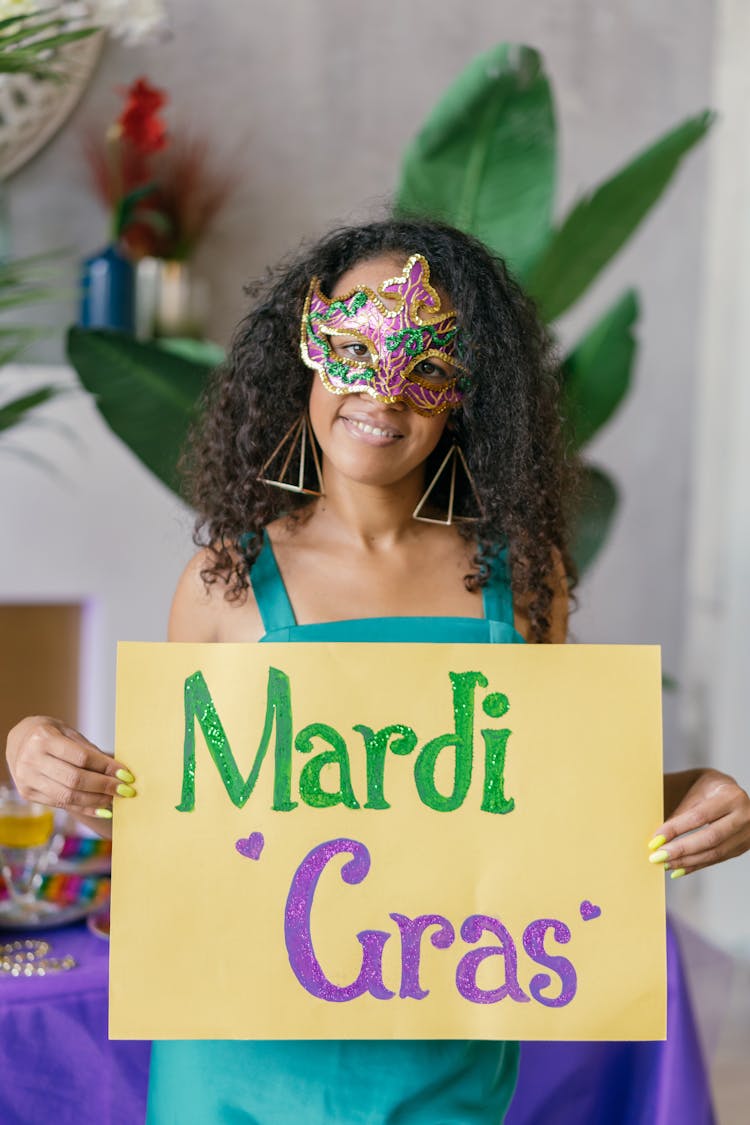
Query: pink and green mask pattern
399	340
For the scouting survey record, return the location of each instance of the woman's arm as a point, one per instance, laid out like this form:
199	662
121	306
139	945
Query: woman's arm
54	764
708	821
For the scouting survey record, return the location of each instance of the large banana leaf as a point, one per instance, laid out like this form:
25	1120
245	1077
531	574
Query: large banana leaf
602	222
145	394
596	374
593	520
205	352
484	160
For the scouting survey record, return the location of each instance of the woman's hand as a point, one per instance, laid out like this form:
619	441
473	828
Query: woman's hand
710	822
55	765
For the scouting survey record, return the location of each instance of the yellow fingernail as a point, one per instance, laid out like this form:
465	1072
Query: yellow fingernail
657	842
125	775
658	857
105	814
125	791
677	873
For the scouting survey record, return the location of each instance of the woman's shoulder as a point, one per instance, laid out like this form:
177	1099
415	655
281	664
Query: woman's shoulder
206	609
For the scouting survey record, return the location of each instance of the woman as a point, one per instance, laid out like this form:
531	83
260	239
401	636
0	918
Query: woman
421	373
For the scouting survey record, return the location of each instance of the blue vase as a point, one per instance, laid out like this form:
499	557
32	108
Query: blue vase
108	291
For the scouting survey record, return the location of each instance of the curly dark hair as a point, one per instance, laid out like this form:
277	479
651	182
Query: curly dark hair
509	426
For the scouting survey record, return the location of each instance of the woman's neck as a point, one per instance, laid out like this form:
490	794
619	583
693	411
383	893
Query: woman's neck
367	516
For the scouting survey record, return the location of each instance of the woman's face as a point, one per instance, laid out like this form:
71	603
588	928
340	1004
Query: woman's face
364	439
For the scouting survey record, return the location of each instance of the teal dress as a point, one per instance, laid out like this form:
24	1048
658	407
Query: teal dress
347	1082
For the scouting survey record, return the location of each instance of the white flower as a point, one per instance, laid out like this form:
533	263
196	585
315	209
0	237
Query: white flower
133	21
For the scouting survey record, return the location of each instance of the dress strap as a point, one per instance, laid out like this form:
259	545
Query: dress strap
268	587
497	595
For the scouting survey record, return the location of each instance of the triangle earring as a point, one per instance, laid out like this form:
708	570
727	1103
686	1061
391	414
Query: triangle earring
296	439
449	466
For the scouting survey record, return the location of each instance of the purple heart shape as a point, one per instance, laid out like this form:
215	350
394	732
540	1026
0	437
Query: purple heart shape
589	911
252	846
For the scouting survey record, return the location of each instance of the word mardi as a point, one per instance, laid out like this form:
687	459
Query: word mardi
397	738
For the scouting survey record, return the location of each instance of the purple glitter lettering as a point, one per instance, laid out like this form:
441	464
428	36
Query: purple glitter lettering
533	943
302	959
412	930
466	973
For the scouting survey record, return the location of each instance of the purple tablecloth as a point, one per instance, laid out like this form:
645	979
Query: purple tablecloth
58	1068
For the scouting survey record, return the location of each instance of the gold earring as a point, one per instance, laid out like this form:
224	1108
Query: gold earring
300	435
455	456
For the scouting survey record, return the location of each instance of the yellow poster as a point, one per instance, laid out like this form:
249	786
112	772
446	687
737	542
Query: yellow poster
388	841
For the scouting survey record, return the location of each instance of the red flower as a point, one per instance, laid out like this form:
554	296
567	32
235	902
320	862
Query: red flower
140	122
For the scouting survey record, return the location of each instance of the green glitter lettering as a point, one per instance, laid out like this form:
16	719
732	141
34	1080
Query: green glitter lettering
310	789
376	745
199	705
398	738
462	738
495	745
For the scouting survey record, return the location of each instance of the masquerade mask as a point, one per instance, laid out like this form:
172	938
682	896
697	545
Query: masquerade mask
401	342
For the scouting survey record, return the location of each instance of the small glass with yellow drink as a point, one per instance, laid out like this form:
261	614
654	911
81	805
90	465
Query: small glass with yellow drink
28	843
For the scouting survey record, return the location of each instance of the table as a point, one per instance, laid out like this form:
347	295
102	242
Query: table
56	1063
58	1067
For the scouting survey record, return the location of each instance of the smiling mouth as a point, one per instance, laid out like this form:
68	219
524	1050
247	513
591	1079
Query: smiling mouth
367	428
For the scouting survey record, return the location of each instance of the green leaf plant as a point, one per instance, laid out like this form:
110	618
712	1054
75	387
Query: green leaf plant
485	161
31	42
23	282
